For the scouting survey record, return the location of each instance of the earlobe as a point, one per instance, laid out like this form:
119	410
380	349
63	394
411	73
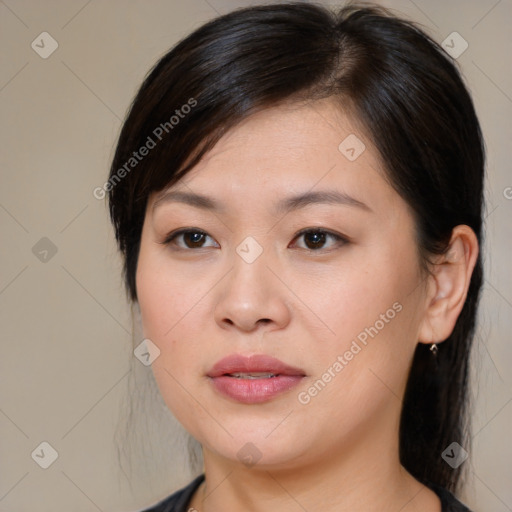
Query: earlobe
449	286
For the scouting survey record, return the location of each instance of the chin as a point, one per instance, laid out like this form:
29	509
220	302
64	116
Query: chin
255	444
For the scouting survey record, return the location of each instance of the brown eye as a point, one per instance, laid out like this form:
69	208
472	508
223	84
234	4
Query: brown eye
191	239
315	239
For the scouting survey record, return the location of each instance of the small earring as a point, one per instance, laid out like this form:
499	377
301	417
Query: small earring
433	349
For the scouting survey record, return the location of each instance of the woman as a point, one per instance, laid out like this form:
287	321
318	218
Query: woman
297	195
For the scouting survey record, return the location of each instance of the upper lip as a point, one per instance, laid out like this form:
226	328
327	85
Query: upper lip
259	363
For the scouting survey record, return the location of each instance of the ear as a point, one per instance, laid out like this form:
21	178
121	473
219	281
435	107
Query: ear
448	286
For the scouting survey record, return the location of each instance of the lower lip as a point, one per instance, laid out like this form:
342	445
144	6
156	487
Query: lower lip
254	391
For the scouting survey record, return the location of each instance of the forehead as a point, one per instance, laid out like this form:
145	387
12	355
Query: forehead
299	133
288	150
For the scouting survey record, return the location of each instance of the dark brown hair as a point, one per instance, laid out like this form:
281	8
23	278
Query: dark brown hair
415	108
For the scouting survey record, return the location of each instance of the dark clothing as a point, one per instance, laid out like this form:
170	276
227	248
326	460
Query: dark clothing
178	502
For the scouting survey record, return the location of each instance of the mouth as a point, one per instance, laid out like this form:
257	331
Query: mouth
262	375
254	379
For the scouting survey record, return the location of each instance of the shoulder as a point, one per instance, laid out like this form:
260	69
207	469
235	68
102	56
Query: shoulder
178	501
449	503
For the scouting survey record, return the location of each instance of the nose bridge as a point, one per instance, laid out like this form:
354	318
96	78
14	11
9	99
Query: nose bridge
250	273
251	292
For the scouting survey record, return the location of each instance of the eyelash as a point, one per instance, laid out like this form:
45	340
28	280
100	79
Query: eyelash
340	239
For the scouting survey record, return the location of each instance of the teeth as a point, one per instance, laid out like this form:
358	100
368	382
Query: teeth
252	375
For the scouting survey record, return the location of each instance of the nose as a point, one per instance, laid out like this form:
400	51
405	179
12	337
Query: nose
251	297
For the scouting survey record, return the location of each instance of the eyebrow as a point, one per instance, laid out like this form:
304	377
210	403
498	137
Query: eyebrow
284	206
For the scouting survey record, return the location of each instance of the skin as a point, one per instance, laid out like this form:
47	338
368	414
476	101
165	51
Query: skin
305	307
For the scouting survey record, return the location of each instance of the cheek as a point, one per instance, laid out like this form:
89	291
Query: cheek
159	304
165	295
372	310
167	314
169	301
352	297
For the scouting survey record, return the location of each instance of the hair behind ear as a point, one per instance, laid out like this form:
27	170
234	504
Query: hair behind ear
436	404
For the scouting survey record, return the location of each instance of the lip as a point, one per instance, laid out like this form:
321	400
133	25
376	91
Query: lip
251	391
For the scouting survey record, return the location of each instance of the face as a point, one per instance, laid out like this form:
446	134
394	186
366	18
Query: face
330	287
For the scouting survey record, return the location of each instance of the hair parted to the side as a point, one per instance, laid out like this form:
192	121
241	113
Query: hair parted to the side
415	108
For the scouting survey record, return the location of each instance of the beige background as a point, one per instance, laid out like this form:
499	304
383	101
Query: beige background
66	364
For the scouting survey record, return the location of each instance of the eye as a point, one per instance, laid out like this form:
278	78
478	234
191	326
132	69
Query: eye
315	238
192	238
